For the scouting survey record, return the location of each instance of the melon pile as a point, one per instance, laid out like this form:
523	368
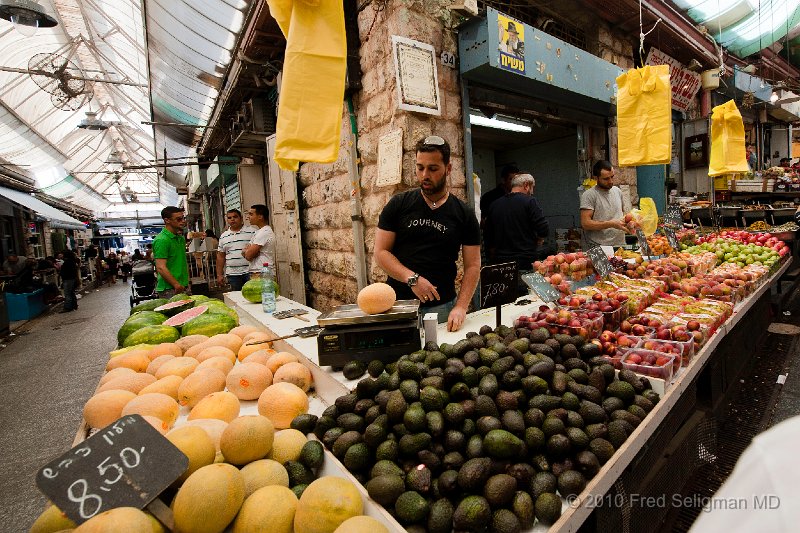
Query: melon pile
161	321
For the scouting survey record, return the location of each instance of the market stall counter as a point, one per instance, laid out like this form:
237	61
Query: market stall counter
671	419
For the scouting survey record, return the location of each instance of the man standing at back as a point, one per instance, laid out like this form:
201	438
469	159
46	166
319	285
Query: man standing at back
503	187
230	262
261	248
515	225
169	252
602	210
420	233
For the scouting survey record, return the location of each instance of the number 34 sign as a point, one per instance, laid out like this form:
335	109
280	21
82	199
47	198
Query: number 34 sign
126	464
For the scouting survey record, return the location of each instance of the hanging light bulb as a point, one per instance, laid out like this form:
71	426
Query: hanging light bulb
26	15
774	97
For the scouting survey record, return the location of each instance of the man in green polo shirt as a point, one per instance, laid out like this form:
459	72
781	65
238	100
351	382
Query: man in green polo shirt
169	251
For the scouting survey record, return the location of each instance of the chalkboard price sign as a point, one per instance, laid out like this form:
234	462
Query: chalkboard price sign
672	239
126	464
643	244
674	216
599	261
499	284
543	289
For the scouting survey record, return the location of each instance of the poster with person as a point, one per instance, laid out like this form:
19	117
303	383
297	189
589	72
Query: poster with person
511	44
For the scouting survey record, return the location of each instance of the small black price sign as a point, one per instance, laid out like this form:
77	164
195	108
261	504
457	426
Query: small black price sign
543	289
643	244
499	284
674	216
672	239
126	464
599	261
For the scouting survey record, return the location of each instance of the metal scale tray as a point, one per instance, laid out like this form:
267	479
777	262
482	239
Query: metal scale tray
351	314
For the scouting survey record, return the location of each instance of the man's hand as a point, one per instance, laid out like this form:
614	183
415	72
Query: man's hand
220	280
425	291
456	319
618	224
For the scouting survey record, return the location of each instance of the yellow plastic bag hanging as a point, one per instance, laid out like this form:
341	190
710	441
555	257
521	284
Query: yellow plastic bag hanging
646	216
644	116
312	87
727	141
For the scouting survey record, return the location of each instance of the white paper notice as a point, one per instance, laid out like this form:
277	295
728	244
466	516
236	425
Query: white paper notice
390	159
415	68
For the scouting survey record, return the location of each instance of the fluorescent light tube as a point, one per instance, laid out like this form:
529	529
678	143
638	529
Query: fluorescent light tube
479	120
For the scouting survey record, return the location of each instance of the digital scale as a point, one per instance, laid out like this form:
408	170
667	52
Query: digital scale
350	334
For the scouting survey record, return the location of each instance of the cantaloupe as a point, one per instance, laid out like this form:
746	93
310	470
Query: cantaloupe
118	520
132	382
242	331
259	356
258	336
222	405
209	499
200	384
167	385
361	524
221	363
281	403
216	351
136	361
212	426
262	473
247	349
190	340
154	404
325	504
293	372
105	407
247	439
156	363
228	340
376	298
111	374
180	366
158	424
280	359
286	445
274	505
248	380
196	445
53	519
165	348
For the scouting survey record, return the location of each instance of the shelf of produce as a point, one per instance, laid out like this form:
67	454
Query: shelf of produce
575	513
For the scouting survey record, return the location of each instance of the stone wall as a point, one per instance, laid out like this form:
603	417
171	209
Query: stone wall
330	259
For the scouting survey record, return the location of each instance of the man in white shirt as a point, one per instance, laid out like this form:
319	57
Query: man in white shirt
230	262
262	245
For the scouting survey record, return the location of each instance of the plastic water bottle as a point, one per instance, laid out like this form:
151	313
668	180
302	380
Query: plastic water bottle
268	289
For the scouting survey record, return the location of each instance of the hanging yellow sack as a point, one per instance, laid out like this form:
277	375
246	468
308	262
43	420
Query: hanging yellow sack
644	116
312	87
727	141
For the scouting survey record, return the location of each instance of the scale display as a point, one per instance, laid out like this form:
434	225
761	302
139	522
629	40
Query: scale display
338	346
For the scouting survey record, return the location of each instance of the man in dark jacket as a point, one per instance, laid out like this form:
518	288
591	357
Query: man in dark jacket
515	226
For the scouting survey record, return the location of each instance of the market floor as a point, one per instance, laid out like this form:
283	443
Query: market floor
47	372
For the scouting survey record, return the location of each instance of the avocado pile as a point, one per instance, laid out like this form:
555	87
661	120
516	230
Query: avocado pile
485	434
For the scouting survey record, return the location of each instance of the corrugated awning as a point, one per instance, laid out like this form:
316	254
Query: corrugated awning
57	218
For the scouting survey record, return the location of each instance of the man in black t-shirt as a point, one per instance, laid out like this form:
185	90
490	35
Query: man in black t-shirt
420	233
515	225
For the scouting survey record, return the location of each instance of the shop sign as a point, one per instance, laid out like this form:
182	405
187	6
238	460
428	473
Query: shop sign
126	464
685	83
511	44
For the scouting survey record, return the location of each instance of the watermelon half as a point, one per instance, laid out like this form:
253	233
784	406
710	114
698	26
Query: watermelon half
185	316
173	308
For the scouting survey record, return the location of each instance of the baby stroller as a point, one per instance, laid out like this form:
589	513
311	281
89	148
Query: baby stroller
143	285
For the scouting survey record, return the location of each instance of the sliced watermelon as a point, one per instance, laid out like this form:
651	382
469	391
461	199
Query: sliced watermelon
173	308
185	316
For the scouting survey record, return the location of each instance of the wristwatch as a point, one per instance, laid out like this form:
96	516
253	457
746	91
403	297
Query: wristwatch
412	279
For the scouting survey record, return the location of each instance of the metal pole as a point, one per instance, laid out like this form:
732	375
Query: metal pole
355	201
